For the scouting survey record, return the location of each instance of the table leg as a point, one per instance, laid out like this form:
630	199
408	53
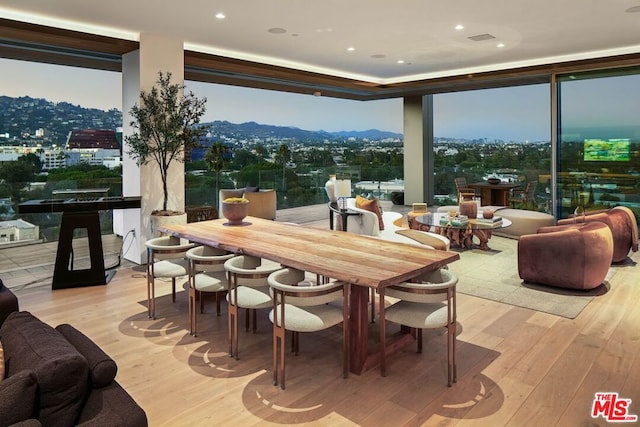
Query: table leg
483	236
358	328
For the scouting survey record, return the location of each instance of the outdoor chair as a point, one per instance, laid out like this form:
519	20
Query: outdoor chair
464	192
524	196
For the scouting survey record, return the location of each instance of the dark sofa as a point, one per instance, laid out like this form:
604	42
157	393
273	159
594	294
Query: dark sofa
57	376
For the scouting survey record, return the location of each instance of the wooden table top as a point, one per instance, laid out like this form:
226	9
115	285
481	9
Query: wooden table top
360	260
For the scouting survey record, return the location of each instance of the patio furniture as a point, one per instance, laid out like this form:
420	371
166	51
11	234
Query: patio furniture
247	288
307	308
575	256
206	275
494	194
166	258
623	225
464	191
525	196
428	302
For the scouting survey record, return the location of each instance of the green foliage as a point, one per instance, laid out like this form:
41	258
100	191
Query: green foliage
165	126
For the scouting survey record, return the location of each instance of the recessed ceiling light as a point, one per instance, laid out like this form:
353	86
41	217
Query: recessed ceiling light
459	27
633	9
400	61
277	30
351	48
220	15
500	45
378	56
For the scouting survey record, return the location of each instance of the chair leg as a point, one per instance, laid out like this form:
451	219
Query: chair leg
246	320
419	332
373	305
192	311
383	338
201	296
173	289
218	298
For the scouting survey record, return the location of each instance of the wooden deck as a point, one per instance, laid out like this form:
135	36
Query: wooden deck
516	367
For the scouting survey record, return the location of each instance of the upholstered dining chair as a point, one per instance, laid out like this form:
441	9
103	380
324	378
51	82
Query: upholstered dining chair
428	303
165	259
247	288
305	309
206	275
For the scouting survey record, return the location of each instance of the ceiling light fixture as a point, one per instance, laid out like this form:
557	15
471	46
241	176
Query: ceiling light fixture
378	56
277	30
351	48
633	9
459	27
500	45
220	15
400	61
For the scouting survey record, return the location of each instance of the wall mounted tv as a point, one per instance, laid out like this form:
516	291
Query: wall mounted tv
607	150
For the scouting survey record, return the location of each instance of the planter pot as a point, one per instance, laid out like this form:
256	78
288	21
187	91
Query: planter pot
157	221
235	212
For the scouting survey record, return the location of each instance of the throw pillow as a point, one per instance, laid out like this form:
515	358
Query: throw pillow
372	206
18	398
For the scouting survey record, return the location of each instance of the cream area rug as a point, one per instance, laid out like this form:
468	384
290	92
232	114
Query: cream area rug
494	275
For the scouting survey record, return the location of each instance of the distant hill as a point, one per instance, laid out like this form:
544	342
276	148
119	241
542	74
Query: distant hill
22	117
253	129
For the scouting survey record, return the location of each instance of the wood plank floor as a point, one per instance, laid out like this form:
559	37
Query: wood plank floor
516	367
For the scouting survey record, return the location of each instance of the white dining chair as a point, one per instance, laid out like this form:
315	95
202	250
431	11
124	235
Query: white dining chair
301	307
428	303
166	258
206	275
247	288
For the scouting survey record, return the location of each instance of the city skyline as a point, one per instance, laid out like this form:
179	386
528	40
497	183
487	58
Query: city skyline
510	114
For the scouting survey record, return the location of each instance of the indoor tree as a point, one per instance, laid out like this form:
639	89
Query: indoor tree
166	124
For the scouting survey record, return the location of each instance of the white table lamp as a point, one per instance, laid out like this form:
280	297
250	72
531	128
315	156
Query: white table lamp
343	190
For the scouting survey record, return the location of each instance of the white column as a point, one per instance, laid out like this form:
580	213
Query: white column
140	72
418	149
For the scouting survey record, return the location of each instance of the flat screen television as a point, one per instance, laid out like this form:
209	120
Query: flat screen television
607	150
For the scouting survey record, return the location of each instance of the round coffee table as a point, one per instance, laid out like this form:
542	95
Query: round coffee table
460	234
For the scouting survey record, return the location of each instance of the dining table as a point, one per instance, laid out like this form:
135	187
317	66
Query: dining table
494	194
365	262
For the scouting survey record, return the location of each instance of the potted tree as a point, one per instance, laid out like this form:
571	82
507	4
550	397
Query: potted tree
166	124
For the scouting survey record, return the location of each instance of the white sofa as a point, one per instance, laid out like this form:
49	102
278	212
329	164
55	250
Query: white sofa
367	224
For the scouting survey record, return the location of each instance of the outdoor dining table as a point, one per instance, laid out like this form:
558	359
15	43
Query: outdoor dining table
364	262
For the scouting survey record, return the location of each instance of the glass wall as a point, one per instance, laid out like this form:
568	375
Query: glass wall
598	141
502	133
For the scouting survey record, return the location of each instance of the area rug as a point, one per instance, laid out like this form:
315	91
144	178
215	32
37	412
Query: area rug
493	275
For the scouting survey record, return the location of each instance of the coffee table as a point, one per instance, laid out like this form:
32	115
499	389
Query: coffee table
460	234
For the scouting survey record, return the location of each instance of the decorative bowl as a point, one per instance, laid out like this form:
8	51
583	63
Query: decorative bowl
235	211
494	181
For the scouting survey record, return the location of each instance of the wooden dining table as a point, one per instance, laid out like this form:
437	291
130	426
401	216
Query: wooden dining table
364	262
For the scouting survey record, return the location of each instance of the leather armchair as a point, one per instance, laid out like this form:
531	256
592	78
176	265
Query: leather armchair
575	256
623	226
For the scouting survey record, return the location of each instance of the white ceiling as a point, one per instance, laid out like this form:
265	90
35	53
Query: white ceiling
318	33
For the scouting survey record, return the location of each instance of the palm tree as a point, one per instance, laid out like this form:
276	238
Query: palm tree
283	155
216	158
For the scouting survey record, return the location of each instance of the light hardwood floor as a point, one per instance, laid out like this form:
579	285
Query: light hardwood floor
516	367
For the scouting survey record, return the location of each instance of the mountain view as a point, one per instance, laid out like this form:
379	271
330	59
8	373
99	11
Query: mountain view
21	119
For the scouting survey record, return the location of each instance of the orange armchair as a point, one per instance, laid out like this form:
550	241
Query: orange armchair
623	225
575	256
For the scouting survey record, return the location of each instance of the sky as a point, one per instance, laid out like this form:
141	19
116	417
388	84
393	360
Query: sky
510	114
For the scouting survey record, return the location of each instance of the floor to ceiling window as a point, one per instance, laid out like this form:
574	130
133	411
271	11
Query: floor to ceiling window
502	133
598	141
